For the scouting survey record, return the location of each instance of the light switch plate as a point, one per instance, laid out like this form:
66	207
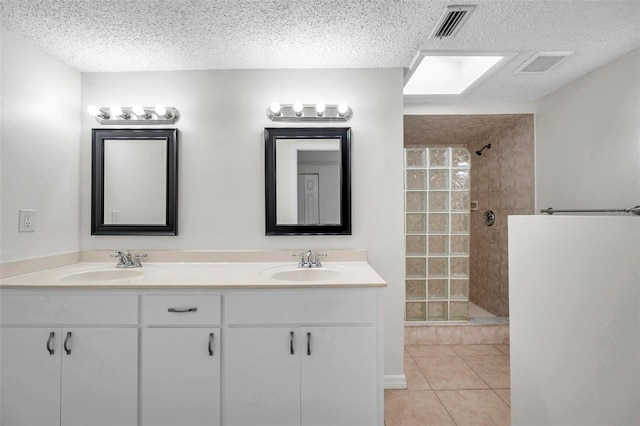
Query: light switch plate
27	220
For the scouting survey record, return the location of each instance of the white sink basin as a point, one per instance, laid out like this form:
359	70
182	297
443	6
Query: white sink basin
306	274
102	275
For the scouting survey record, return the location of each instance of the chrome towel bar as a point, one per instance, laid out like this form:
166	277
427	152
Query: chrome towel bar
635	210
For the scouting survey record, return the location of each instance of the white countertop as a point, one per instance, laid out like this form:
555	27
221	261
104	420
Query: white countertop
202	275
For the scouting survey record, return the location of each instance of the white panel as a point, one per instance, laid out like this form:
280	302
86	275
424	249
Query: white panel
29	377
339	376
261	377
100	377
180	381
155	310
69	309
574	290
301	308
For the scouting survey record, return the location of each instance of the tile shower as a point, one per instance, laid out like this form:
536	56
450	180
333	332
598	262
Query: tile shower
502	180
437	206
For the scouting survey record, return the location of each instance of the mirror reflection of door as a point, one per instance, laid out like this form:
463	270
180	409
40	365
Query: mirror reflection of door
308	199
311	203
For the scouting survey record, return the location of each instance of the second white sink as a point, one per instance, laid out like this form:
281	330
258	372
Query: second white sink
306	274
102	275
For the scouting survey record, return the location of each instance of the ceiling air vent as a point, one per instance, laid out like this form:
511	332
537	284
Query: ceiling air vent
451	21
542	62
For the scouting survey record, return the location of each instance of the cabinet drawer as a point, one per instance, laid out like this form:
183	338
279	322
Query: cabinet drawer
302	308
181	310
71	309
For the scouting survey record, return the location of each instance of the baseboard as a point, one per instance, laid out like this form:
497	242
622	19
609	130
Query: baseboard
395	382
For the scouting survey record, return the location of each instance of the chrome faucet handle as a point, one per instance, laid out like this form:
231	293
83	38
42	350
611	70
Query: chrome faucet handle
136	261
301	256
317	262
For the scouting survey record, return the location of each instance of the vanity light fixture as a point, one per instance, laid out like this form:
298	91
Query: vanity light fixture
136	115
309	112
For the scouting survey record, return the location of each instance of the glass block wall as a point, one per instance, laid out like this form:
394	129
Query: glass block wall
437	224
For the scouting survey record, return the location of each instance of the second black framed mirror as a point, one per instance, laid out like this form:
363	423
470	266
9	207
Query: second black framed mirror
308	181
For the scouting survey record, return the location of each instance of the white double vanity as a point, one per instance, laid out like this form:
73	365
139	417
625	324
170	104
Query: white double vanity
234	341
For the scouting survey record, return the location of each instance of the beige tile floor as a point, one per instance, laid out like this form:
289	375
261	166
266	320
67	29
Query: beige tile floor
452	385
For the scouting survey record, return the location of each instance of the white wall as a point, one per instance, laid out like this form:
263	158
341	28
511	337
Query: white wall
588	140
40	150
574	294
221	164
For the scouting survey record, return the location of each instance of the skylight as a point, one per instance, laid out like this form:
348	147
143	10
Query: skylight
448	75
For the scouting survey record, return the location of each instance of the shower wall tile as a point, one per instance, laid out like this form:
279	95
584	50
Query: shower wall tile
460	289
438	289
459	267
438	223
460	244
502	180
416	289
416	311
416	223
416	244
416	201
438	201
416	267
439	157
438	245
415	157
459	311
439	179
438	311
460	179
461	158
460	201
416	179
460	223
438	267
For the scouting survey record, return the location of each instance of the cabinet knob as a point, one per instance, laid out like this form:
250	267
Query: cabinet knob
52	335
308	343
67	340
291	342
210	344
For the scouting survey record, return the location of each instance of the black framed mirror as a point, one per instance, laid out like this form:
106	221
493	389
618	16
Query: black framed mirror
308	181
134	182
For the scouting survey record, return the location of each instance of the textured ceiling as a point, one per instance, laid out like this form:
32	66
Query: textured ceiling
446	130
160	35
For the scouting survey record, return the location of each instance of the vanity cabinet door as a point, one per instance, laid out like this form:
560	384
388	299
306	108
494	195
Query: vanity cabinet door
180	376
262	377
339	376
99	376
29	376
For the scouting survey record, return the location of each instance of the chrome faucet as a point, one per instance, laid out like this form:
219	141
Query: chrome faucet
308	260
125	260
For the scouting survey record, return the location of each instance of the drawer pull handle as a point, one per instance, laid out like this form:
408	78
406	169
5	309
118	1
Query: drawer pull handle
181	310
52	335
210	344
308	343
291	343
67	339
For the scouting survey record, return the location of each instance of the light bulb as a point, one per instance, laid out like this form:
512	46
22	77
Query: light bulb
297	108
94	110
320	107
138	110
116	110
275	108
343	108
161	110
